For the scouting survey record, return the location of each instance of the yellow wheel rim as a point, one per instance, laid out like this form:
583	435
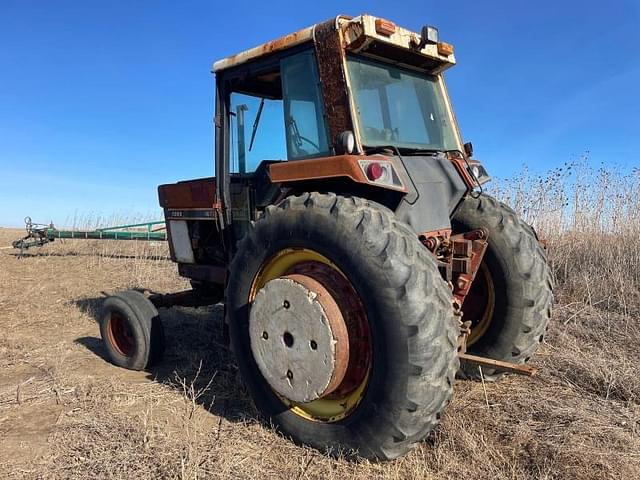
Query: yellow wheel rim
478	330
323	409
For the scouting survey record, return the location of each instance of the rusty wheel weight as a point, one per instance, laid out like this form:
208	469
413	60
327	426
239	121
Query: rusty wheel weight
299	338
319	358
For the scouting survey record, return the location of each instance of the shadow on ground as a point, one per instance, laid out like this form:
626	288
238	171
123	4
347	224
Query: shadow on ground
196	361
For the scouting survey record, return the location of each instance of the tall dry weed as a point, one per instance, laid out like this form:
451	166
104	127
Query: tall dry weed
590	218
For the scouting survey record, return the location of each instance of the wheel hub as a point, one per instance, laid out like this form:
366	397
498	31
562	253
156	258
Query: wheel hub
120	335
299	338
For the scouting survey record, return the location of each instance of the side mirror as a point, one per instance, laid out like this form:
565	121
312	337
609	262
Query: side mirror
468	149
346	143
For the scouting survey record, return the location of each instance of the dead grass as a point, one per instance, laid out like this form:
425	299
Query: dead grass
67	413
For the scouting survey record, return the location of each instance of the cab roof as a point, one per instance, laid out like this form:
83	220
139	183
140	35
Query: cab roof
365	33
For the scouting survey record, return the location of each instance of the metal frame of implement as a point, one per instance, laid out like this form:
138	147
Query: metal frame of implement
41	234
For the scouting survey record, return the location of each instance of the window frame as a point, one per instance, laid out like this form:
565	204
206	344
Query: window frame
320	113
440	84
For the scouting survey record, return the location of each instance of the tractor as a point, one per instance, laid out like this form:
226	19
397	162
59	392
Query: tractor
346	232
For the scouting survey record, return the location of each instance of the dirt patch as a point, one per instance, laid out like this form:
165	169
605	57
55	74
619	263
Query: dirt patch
25	433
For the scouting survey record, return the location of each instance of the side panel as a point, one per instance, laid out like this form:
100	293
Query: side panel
180	241
199	193
192	217
439	189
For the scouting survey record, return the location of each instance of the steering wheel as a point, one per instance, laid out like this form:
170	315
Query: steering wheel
297	139
314	145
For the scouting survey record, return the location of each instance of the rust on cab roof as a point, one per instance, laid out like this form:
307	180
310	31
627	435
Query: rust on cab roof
364	33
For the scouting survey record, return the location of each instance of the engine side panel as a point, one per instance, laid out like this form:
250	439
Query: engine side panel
195	240
199	193
438	190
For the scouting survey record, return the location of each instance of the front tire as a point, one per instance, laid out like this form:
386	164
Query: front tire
131	330
408	314
511	298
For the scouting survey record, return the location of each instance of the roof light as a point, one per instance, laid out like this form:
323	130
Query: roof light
429	34
385	27
445	49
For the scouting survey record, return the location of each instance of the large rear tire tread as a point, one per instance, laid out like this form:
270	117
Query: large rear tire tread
524	294
410	404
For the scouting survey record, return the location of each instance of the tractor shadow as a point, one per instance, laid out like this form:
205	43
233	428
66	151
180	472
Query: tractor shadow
196	362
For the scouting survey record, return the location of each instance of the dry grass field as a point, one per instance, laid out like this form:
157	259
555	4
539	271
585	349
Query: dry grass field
65	412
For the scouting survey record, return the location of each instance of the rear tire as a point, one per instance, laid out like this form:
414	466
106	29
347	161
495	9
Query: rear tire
131	330
521	280
408	310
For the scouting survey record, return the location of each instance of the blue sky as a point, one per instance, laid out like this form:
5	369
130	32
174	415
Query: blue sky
102	101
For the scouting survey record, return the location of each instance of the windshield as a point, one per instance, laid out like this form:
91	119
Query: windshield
399	107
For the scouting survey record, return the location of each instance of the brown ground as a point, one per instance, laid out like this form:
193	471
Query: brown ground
67	413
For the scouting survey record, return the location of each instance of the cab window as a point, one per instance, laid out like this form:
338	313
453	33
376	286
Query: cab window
303	107
276	113
249	147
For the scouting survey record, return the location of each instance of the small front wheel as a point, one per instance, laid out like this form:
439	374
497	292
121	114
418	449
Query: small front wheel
131	330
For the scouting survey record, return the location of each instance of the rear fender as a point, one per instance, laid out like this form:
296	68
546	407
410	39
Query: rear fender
343	175
351	167
429	188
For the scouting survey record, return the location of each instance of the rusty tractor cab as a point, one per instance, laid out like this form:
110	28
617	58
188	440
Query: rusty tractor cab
360	266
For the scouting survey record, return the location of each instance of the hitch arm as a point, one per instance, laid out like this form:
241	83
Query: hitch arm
520	369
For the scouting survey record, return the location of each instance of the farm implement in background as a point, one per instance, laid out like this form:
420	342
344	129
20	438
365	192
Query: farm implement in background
39	234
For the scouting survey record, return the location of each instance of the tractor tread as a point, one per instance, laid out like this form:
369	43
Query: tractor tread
527	260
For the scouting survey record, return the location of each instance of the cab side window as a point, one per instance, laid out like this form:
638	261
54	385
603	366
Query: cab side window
276	112
304	116
268	139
